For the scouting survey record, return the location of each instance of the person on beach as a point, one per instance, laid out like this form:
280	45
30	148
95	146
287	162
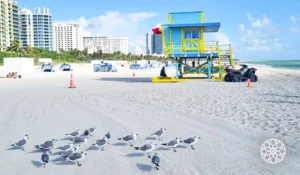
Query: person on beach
163	72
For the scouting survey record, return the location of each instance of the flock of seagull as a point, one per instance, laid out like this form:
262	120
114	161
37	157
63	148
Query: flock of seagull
71	153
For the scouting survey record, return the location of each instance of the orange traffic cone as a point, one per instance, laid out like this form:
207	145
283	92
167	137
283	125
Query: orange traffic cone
133	74
72	85
249	83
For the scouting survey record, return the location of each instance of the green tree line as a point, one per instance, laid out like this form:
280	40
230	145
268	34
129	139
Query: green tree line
70	56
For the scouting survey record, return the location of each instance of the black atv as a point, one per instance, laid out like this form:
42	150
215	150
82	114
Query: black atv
243	74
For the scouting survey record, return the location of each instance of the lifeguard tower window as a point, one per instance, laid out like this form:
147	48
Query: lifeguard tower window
191	34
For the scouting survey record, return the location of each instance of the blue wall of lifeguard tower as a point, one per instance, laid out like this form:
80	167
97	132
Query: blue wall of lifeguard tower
179	18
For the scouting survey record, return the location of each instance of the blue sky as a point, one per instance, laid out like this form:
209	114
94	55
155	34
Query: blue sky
268	29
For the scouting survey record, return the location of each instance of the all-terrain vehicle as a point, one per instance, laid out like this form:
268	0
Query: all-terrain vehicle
242	74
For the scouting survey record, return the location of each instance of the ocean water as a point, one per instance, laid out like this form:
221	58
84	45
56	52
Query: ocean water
286	64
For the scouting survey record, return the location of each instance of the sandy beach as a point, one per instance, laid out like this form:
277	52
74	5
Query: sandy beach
232	120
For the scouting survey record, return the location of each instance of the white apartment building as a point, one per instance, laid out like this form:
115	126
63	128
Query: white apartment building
67	36
9	23
105	44
26	28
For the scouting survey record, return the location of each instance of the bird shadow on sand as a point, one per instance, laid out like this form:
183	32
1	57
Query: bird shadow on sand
14	148
92	148
119	144
181	146
150	138
131	155
37	164
58	159
144	167
67	138
162	149
37	151
64	163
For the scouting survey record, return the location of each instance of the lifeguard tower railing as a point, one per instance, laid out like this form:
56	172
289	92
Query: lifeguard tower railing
195	48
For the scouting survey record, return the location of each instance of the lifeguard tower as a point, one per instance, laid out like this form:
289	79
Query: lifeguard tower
183	39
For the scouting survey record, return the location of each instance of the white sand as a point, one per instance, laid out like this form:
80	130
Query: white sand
232	120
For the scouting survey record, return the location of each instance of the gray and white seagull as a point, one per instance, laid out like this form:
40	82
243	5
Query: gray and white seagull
129	138
74	134
80	140
68	153
191	141
22	142
101	143
173	144
160	133
156	161
146	148
66	147
77	157
46	146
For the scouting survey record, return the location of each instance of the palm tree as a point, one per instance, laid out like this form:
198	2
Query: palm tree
15	47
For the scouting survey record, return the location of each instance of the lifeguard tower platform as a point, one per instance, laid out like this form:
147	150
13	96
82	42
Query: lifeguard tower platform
183	39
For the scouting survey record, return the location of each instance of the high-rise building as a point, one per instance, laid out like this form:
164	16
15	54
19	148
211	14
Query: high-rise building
105	44
42	28
26	28
154	44
148	43
9	23
67	36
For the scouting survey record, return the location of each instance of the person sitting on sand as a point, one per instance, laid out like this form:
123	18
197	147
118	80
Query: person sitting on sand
15	75
163	73
8	75
12	75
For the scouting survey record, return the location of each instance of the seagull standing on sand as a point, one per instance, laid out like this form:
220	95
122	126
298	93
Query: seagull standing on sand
192	141
160	133
47	146
173	144
101	143
129	138
45	158
74	134
66	147
80	140
68	153
108	136
77	157
22	142
146	148
156	161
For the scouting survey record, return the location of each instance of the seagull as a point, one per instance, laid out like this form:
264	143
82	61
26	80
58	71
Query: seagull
156	161
66	147
46	146
191	141
68	153
77	157
146	148
45	158
74	134
173	144
101	143
108	136
80	140
92	130
160	133
129	138
22	142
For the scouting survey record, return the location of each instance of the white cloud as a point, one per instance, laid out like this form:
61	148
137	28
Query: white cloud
293	19
117	24
222	38
260	35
